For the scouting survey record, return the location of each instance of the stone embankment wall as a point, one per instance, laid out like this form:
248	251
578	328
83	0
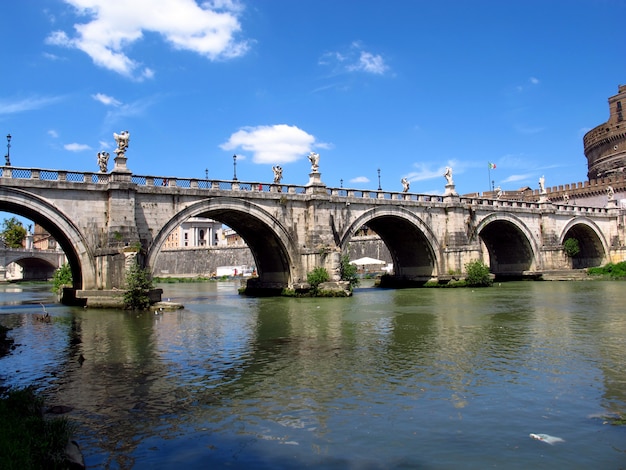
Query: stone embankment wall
187	262
200	261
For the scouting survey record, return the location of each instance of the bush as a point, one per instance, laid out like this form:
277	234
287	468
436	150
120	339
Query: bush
348	271
138	284
316	277
62	277
477	274
571	247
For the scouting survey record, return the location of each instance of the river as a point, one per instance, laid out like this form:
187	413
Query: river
400	379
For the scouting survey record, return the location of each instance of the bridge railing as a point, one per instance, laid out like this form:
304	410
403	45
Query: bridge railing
233	185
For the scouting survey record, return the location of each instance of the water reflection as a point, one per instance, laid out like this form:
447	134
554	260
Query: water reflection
409	378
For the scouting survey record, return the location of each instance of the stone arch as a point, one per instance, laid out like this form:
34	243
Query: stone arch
593	245
35	267
413	246
69	237
510	244
272	246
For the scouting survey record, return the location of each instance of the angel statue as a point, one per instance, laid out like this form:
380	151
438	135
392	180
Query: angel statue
448	176
278	174
314	158
122	140
103	161
405	185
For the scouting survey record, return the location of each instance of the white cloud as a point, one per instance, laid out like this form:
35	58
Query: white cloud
208	29
355	59
74	147
106	100
279	143
425	172
370	63
52	133
360	179
26	104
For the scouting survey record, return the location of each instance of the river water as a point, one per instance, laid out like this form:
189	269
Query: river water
415	378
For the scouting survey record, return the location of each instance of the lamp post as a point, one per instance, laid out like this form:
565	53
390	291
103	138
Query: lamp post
206	174
379	187
8	155
234	167
341	183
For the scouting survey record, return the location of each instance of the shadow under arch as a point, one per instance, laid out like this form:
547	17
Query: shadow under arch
411	243
511	247
35	268
62	229
593	245
271	245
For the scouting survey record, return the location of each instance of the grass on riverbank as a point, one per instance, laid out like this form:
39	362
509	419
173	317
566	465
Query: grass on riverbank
611	271
27	439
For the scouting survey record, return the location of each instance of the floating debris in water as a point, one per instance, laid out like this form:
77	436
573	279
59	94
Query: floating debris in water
546	438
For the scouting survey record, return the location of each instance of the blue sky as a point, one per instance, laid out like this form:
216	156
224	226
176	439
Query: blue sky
407	87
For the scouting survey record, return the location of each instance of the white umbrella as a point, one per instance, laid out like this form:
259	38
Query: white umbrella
366	261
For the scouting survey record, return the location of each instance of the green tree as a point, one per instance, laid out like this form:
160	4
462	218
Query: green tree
571	247
348	271
138	284
13	232
62	277
316	277
477	274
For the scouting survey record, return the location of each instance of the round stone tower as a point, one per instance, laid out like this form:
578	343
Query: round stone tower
605	145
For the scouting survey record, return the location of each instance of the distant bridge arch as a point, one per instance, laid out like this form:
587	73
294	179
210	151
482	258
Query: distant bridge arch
511	246
413	246
269	241
58	225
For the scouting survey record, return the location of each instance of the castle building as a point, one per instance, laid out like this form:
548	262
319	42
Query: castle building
605	145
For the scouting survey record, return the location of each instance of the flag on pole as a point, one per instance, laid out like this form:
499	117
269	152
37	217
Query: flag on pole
492	166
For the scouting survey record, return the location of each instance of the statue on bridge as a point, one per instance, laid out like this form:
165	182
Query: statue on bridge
405	185
448	176
314	158
122	140
103	161
542	185
610	193
278	174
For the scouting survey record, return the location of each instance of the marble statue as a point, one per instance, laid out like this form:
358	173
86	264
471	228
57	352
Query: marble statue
610	193
448	176
542	185
122	140
314	158
499	192
278	174
566	198
405	185
103	161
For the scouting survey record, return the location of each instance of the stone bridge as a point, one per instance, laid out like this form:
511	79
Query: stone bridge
101	220
36	264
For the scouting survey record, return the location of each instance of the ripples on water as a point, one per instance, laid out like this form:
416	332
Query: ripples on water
418	378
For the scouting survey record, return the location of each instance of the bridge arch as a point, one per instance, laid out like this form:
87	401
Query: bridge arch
511	247
593	245
35	267
413	246
272	246
60	227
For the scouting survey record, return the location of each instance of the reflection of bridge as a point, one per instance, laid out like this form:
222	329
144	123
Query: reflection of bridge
100	219
36	264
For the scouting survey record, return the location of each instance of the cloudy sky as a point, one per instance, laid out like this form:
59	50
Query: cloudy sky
404	87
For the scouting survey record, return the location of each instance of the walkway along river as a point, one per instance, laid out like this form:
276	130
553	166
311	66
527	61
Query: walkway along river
415	378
